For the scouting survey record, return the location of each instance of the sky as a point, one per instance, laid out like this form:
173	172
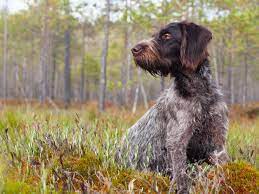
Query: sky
16	5
13	5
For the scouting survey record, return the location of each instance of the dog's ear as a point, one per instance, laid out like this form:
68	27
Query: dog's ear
193	50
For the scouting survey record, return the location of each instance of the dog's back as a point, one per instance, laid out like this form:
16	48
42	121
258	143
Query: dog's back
189	120
147	139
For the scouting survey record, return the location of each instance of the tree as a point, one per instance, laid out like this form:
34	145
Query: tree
104	58
125	68
45	52
82	81
86	32
41	42
5	54
67	70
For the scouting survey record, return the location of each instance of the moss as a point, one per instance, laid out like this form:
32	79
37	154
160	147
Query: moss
235	177
241	177
38	136
139	181
87	165
150	182
115	178
17	187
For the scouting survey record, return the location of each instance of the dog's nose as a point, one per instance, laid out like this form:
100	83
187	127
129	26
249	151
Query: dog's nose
137	49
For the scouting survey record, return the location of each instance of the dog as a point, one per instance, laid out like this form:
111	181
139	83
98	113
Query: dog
189	121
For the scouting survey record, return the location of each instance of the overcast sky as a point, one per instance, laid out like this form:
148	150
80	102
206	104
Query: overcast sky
16	5
13	5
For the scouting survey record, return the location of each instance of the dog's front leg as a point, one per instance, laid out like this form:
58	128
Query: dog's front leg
176	144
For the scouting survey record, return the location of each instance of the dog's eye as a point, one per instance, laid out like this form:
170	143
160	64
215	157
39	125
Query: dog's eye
166	36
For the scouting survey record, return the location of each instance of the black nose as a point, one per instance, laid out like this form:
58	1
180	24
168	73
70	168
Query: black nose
137	49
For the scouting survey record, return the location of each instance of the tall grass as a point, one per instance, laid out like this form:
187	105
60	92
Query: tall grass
46	150
243	141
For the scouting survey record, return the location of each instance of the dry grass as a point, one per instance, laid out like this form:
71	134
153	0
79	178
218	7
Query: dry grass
48	149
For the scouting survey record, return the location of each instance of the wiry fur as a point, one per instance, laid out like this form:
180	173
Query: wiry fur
151	60
188	123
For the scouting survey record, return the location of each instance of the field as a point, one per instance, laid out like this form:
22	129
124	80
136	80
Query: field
52	150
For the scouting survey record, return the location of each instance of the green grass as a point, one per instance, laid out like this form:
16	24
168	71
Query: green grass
46	150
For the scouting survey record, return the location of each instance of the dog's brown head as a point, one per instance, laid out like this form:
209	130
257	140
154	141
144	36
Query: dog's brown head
177	47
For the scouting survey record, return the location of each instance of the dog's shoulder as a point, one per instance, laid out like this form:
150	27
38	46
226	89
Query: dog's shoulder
170	99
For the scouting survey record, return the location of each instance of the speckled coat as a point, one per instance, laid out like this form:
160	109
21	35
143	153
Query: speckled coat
188	123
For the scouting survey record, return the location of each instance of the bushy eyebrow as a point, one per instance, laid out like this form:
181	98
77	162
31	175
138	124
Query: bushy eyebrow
165	30
160	32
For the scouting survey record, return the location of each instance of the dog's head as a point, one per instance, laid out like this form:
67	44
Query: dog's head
177	47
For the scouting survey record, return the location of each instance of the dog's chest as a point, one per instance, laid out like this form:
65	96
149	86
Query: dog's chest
178	108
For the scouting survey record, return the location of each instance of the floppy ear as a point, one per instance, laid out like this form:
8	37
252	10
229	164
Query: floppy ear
193	50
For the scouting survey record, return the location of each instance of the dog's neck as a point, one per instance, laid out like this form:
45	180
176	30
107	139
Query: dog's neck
191	84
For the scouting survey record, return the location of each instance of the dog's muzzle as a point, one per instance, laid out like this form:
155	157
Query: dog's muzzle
141	47
137	50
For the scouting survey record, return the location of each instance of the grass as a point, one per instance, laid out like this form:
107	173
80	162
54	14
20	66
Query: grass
47	150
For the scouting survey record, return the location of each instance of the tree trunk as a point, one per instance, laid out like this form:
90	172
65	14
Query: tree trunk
129	72
245	94
232	99
67	72
16	80
44	55
214	57
104	59
135	100
230	72
126	64
143	92
57	85
245	80
67	78
221	64
82	82
24	77
82	76
5	54
230	85
53	75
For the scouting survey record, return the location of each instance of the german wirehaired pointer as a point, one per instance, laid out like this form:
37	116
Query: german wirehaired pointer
189	121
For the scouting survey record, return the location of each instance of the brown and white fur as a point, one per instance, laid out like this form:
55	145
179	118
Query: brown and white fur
189	121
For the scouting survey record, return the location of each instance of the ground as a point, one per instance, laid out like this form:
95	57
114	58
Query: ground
49	149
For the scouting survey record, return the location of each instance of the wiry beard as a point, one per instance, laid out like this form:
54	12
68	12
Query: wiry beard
153	67
152	62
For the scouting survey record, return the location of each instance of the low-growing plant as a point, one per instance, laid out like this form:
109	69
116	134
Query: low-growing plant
49	150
